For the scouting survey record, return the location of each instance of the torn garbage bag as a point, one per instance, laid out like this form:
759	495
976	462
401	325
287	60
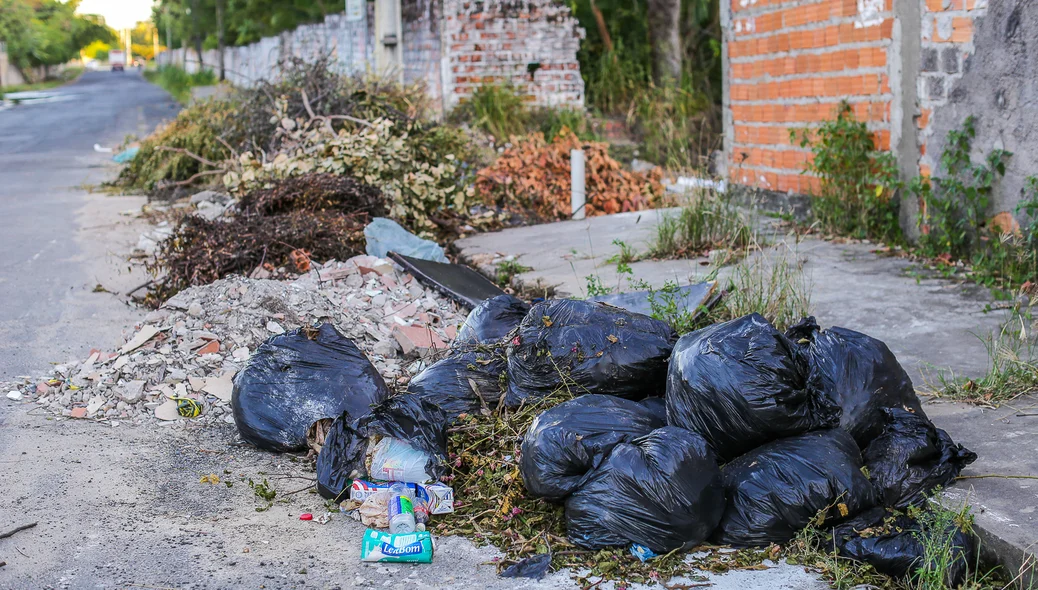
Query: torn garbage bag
777	489
893	543
740	384
588	348
911	458
567	441
295	379
662	490
463	383
858	372
492	320
405	417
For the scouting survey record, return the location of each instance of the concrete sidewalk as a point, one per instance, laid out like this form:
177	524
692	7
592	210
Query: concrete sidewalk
931	325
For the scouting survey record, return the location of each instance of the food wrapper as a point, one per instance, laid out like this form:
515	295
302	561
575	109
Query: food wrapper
388	548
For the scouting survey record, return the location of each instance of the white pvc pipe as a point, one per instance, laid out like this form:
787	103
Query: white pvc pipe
577	194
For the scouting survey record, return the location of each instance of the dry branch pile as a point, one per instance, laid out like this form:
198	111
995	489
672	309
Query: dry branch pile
535	176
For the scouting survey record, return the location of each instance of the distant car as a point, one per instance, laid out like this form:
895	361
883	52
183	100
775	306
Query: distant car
117	59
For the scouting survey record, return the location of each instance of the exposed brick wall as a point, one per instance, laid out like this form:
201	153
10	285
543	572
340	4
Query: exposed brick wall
788	64
502	40
947	40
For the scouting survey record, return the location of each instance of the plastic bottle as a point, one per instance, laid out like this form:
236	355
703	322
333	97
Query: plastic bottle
401	509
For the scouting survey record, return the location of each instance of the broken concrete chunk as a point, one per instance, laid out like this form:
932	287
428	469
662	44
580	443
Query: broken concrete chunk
132	391
275	327
220	387
167	411
145	334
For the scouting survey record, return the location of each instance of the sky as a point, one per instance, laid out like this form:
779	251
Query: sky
119	14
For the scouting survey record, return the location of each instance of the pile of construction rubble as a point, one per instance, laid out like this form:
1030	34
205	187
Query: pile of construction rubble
180	361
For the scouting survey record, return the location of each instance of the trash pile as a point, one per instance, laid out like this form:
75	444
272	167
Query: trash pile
735	434
534	177
180	361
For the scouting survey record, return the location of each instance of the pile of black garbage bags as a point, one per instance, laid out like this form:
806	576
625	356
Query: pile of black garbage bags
735	434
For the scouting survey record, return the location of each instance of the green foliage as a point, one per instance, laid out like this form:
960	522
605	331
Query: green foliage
956	205
163	156
938	526
192	22
178	82
709	222
595	287
858	181
614	79
676	125
552	121
626	255
508	269
771	283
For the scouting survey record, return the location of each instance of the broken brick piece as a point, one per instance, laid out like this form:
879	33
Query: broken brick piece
79	412
417	339
212	347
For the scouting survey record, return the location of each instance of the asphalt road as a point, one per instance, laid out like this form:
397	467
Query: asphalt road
52	239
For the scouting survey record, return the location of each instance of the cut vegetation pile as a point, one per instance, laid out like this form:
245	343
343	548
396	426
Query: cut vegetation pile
316	215
533	176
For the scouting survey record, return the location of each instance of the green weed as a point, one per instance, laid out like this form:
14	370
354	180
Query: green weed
507	270
626	255
858	181
771	283
677	125
709	222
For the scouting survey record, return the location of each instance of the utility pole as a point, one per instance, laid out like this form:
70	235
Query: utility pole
169	31
219	35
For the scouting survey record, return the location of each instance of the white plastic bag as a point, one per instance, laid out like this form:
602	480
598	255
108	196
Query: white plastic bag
395	460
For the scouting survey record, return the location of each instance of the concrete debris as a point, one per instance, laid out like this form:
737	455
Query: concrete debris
192	346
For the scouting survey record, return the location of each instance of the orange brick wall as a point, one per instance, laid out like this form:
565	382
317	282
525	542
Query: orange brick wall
788	64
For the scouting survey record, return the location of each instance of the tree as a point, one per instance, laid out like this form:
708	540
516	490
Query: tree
665	35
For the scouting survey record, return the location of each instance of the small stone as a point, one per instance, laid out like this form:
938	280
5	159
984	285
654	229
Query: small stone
241	354
275	327
195	309
14	395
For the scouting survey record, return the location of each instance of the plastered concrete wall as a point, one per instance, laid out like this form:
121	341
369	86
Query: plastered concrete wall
991	73
421	45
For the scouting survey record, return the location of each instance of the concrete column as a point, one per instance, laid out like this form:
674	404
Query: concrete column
388	40
903	61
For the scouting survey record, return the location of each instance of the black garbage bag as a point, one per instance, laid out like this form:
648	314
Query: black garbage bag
406	417
662	490
777	489
893	543
592	347
911	458
492	320
567	441
535	567
858	372
658	407
741	384
462	383
295	379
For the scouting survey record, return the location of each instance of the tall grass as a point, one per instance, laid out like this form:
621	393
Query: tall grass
709	222
497	109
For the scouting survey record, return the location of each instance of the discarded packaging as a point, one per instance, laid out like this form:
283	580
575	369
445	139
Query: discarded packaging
396	460
414	547
385	235
374	511
534	567
742	384
438	496
400	509
306	516
406	417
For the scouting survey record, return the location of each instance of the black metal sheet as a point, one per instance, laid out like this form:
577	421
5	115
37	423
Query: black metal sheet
457	281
